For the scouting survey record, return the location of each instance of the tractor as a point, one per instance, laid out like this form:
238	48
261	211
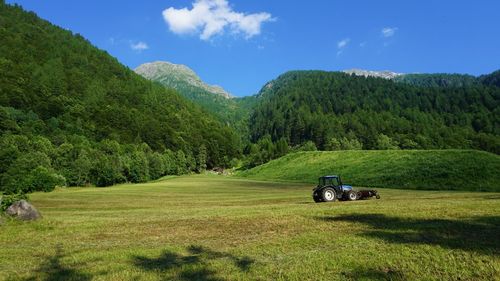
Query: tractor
330	188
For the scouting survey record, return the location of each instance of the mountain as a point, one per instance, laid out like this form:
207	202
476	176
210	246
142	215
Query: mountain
335	110
386	74
179	77
71	112
230	110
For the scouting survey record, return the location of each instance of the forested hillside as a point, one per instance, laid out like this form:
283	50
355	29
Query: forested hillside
492	79
181	78
70	113
229	110
438	80
340	111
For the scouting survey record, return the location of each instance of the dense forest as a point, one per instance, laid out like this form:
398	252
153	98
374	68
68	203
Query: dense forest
72	114
338	111
438	80
492	79
233	111
449	80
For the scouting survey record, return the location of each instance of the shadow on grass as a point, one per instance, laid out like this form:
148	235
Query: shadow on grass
193	266
374	274
53	270
492	197
478	234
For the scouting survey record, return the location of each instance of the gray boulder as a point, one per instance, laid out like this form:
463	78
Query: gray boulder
23	210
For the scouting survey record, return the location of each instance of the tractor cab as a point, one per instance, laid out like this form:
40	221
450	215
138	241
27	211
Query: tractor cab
335	182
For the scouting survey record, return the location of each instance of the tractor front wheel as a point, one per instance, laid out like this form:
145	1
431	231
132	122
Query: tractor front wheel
328	194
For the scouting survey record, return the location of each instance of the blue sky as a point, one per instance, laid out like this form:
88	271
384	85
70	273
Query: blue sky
240	44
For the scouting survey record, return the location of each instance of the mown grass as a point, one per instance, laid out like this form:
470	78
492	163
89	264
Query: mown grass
410	169
219	228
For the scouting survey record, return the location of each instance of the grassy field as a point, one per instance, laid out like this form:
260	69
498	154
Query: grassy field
410	169
220	228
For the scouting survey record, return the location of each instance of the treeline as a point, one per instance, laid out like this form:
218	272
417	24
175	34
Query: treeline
265	150
339	111
34	163
449	80
439	80
492	79
56	89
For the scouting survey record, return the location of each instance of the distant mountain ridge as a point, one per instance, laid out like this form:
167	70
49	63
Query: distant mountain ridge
386	74
177	76
431	79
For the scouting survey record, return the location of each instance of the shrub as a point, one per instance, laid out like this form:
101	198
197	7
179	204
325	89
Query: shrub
7	200
384	142
43	179
307	146
37	179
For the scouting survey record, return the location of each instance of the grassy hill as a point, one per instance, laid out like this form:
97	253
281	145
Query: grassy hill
409	169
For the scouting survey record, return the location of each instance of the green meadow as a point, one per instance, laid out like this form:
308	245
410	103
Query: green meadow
226	228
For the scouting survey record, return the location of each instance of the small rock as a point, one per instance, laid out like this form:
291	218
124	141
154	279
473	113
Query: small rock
23	210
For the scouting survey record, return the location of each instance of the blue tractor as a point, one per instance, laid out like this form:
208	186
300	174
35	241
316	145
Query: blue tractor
330	188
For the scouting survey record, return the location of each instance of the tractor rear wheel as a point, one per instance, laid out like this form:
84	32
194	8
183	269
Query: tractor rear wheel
328	194
359	195
351	195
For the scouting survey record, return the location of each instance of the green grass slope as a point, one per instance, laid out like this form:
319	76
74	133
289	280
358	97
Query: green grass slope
409	169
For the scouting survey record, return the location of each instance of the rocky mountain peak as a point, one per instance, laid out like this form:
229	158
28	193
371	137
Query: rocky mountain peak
170	74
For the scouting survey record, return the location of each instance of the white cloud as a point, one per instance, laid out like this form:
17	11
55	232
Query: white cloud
212	17
341	45
388	31
139	46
